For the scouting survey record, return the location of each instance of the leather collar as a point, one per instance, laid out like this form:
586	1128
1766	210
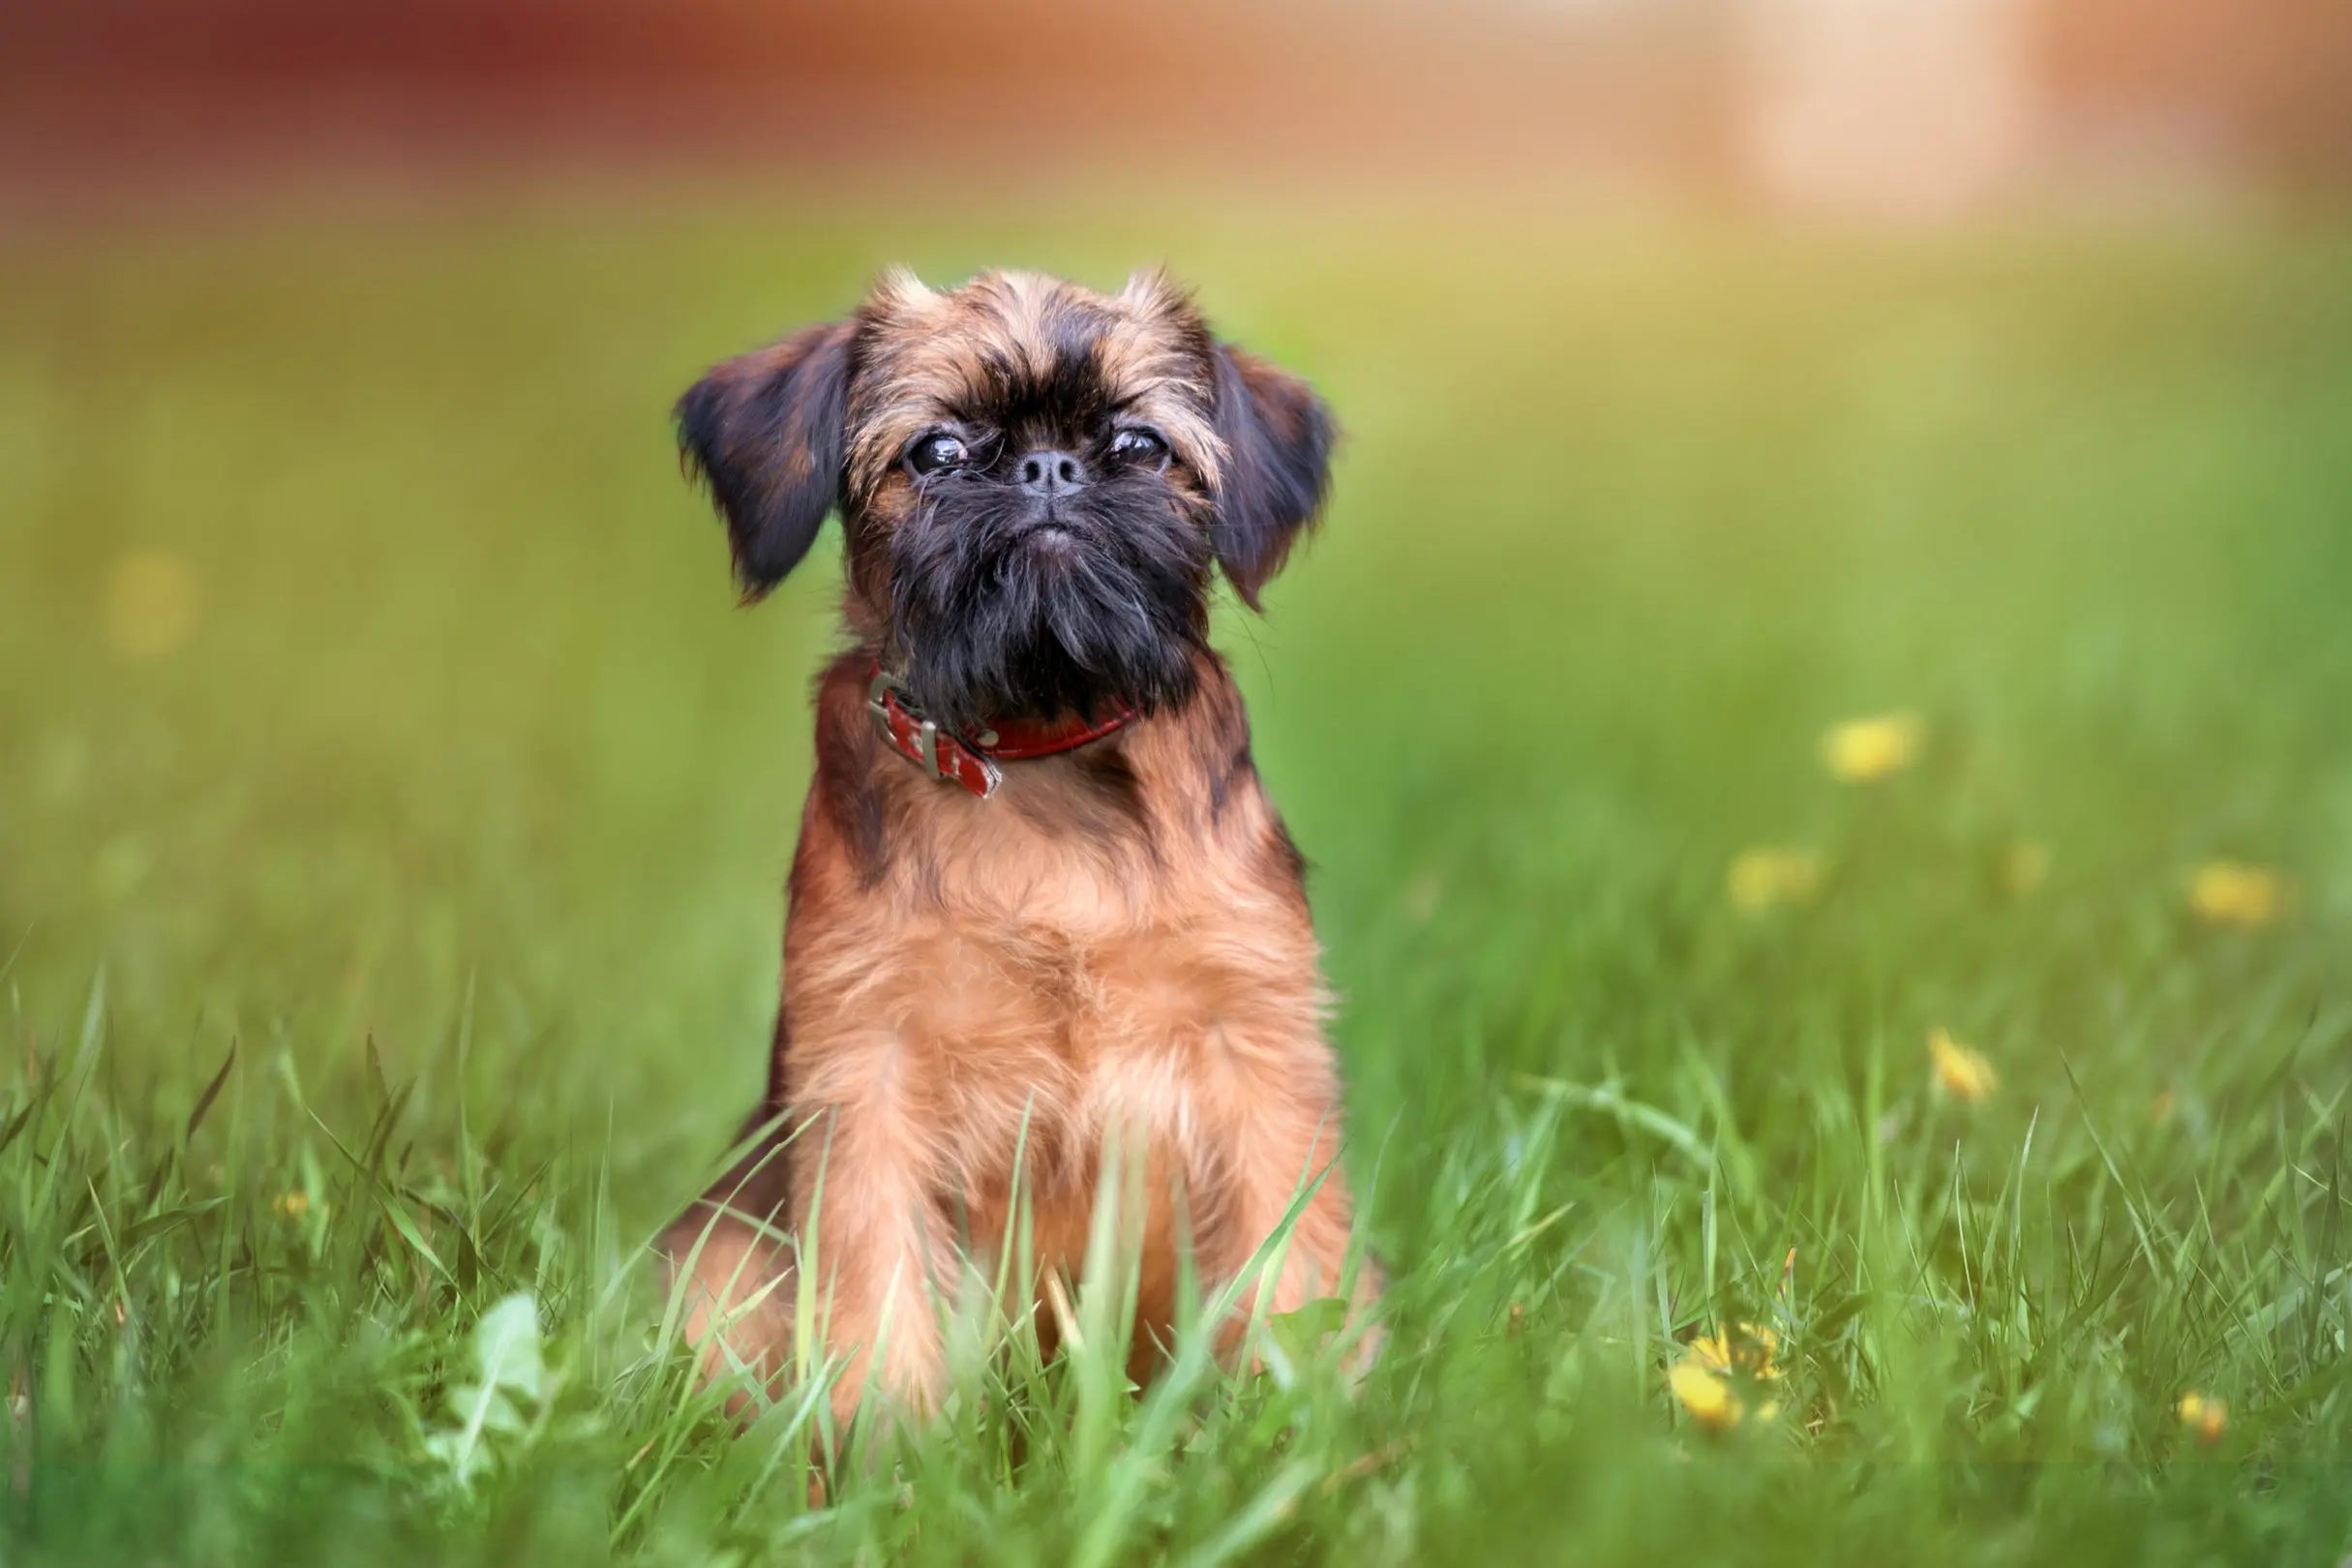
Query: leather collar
970	759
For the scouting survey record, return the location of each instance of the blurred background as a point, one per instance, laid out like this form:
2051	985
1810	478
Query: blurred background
1882	108
1818	714
1714	370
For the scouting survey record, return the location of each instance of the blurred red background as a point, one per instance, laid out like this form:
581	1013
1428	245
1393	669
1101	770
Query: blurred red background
1874	108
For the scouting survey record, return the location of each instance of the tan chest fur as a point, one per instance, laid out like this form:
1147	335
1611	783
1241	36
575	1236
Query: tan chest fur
1000	989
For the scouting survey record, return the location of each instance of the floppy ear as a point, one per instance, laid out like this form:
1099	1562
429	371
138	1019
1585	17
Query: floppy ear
1278	437
764	432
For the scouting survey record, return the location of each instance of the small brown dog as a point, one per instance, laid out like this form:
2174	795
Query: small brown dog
1041	906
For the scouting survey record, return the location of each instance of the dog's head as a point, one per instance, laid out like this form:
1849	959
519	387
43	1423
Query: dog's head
1033	480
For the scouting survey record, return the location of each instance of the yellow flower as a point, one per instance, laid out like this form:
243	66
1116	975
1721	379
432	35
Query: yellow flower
2160	1109
293	1205
2023	866
1767	876
1960	1071
1746	1349
1705	1395
1712	1379
2205	1416
2230	892
151	602
1866	751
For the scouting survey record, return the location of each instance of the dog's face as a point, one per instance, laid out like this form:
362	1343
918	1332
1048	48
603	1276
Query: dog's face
1035	482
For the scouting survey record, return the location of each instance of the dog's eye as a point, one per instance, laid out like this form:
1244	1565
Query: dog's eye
1137	444
936	451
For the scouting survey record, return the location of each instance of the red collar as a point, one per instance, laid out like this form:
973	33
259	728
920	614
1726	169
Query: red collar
971	758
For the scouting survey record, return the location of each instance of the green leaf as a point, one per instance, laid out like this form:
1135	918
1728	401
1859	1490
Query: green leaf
511	1376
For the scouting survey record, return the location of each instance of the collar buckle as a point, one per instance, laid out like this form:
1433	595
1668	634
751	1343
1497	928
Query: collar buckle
878	706
943	757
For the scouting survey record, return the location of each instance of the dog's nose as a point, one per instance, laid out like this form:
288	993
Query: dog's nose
1043	474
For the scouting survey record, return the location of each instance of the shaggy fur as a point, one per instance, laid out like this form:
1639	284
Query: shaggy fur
1112	951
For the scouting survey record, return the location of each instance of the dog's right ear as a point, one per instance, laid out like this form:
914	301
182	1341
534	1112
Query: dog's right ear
766	433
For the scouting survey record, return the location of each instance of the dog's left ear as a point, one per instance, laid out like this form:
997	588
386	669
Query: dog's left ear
766	433
1278	437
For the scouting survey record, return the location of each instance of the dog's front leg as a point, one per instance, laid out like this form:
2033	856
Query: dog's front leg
1268	1178
872	1237
1282	1153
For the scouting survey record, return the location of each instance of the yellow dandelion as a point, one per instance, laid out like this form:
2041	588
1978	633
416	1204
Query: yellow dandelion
2024	865
1705	1395
1961	1072
1746	1349
2205	1416
1717	1373
151	604
1869	750
2231	892
293	1205
1767	876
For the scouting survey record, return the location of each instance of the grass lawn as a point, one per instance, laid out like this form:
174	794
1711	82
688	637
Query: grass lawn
394	808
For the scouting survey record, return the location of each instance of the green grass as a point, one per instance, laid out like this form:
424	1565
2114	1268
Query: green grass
451	841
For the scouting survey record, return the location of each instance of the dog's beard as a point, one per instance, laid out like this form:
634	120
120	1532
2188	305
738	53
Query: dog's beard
998	615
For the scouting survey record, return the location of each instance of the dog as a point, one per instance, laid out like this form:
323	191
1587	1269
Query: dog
1041	907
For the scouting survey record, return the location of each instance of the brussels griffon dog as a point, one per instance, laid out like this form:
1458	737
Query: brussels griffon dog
1041	910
